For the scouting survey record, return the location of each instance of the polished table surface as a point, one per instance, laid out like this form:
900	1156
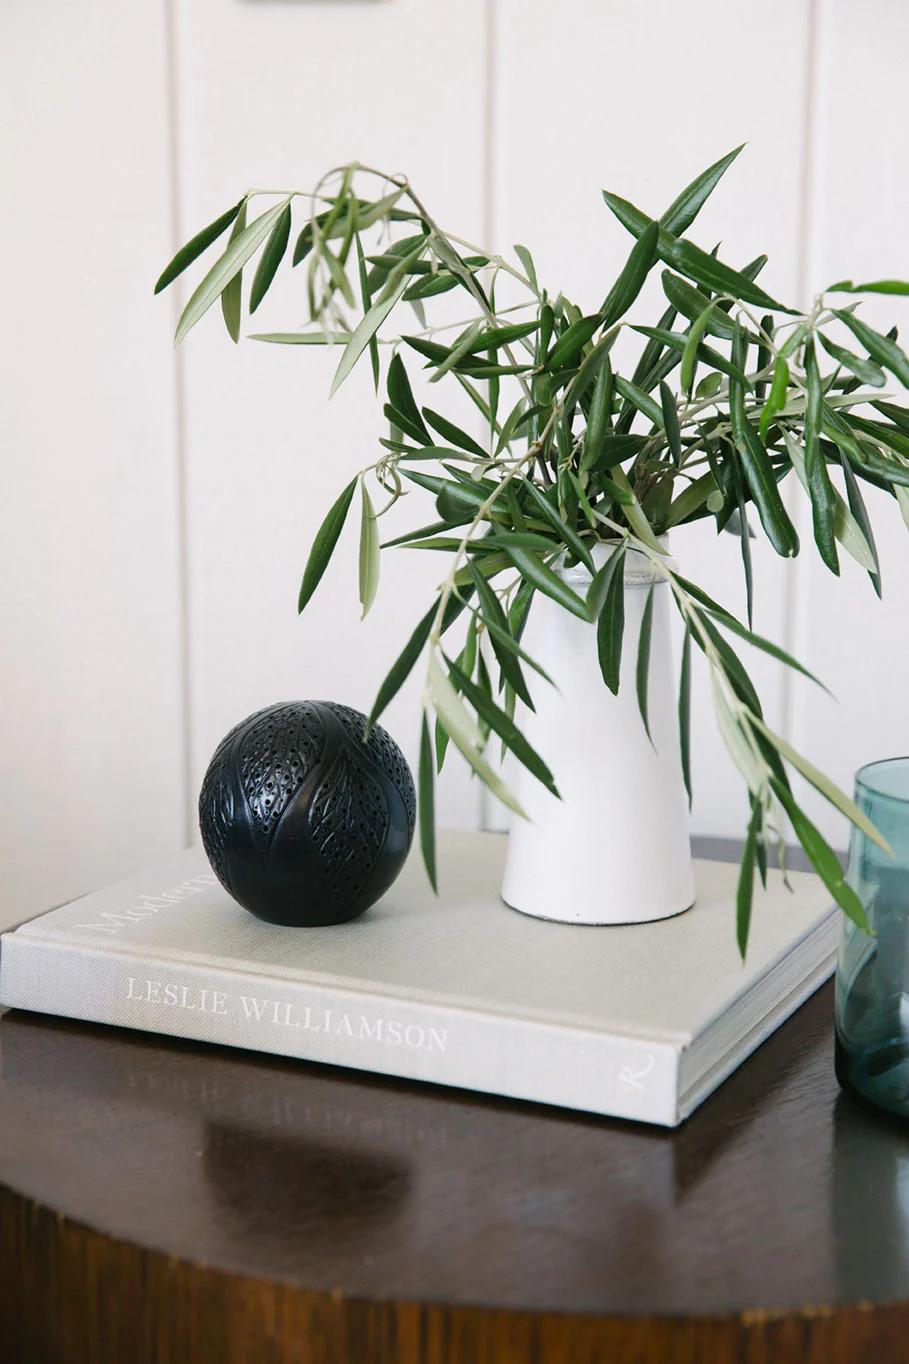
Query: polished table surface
168	1201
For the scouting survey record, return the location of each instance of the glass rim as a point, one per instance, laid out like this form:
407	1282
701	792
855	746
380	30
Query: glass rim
864	778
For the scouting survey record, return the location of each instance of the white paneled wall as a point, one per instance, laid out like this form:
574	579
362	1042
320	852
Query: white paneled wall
91	713
267	453
858	212
158	512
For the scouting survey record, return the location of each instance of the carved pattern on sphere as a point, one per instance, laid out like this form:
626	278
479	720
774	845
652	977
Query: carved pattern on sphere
303	823
216	808
383	751
348	821
276	755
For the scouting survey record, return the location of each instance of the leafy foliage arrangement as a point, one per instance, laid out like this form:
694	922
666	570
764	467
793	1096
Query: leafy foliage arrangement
576	452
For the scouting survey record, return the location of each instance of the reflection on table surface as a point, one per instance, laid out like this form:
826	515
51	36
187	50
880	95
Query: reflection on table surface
776	1193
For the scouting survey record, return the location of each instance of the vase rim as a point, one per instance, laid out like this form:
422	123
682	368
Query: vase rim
872	778
638	572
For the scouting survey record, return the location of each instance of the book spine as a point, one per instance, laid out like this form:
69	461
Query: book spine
608	1074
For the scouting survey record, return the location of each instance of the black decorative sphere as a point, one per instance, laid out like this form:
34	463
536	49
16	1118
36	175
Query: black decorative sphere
302	821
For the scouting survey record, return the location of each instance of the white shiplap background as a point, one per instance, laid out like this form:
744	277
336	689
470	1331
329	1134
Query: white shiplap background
158	507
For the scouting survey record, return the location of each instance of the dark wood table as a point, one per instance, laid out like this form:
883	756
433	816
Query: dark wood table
178	1204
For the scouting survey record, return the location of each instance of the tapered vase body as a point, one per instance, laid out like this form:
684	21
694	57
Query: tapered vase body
615	849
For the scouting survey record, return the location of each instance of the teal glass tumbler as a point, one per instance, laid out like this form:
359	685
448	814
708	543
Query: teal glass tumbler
872	975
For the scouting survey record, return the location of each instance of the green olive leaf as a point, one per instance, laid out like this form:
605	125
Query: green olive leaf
465	734
642	671
820	489
195	246
630	282
225	272
502	724
685	714
691	261
683	210
324	544
823	858
607	602
270	259
886	352
369	551
426	779
535	571
776	398
745	891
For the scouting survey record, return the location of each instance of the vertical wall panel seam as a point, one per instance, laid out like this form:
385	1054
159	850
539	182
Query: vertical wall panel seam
184	645
794	605
485	813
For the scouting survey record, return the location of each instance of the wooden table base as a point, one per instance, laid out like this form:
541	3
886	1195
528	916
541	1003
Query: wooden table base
95	1301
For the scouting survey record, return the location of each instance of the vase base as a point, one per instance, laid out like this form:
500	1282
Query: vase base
583	921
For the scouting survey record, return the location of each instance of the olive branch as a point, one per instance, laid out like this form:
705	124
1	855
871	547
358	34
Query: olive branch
575	452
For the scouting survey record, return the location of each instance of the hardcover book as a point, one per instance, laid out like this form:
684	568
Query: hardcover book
641	1021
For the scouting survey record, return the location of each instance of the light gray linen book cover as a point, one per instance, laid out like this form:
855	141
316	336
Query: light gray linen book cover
639	1021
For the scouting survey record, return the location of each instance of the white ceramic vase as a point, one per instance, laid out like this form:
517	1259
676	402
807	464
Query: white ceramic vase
615	849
